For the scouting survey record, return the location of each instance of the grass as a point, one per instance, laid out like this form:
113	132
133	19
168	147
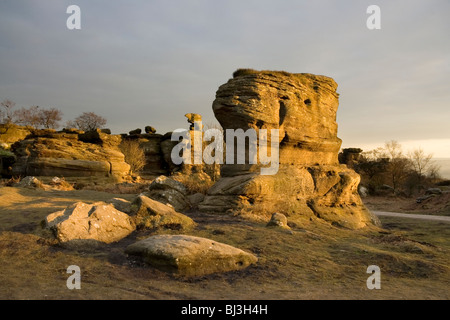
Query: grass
319	261
6	153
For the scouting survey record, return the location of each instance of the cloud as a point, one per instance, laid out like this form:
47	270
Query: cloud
148	63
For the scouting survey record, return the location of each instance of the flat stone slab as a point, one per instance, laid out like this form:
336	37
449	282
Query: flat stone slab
189	255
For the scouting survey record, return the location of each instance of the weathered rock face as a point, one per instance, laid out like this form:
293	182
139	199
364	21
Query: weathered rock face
93	154
99	222
302	106
154	160
190	256
310	182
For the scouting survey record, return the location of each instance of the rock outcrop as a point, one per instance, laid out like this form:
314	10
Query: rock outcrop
70	154
310	182
190	256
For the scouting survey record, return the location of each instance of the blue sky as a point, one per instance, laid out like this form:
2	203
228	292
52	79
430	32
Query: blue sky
141	63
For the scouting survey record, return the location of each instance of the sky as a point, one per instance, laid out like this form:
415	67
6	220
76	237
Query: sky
140	63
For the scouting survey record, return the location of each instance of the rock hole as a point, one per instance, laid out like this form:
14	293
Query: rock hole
282	113
307	102
239	263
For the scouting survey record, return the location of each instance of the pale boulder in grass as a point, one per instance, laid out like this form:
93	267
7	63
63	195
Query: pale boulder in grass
99	221
278	220
190	256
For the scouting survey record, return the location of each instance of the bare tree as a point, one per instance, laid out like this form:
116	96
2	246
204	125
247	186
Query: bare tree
36	117
50	118
28	116
422	164
8	113
87	121
398	166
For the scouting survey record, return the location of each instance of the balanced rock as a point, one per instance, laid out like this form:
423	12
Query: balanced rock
98	222
310	183
192	118
152	214
189	255
149	129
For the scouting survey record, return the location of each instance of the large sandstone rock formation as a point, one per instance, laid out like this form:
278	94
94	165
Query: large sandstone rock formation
190	256
70	154
310	182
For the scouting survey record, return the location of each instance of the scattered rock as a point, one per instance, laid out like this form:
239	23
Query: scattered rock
196	199
135	132
98	222
433	191
29	182
278	220
190	256
424	198
149	213
169	191
120	204
150	129
363	191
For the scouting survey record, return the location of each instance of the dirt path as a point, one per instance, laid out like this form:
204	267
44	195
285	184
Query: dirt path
412	216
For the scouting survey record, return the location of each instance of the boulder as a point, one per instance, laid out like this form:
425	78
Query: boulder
28	182
433	191
310	183
102	137
169	191
149	129
278	220
149	213
99	222
189	255
135	132
196	198
424	198
120	204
